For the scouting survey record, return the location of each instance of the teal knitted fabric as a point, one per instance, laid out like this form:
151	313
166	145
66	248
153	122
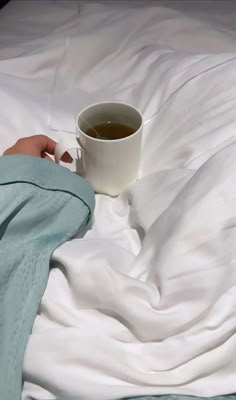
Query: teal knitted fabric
41	206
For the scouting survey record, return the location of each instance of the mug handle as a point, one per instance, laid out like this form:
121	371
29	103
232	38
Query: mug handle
65	145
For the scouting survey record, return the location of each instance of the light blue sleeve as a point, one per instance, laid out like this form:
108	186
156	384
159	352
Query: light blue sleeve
41	206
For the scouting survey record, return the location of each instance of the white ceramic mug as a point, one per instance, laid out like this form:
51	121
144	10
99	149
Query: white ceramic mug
110	166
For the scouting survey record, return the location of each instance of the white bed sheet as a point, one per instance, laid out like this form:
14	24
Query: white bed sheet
145	302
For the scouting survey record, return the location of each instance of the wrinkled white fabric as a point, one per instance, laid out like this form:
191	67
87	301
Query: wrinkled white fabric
113	324
145	302
33	38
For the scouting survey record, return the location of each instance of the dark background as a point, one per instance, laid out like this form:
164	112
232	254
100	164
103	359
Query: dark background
3	2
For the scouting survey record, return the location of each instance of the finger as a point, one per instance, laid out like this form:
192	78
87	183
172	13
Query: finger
46	157
67	158
44	143
48	145
7	152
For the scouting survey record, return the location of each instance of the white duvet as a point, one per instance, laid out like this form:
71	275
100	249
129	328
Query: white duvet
145	302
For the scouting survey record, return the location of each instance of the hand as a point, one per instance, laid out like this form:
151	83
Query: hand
37	146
